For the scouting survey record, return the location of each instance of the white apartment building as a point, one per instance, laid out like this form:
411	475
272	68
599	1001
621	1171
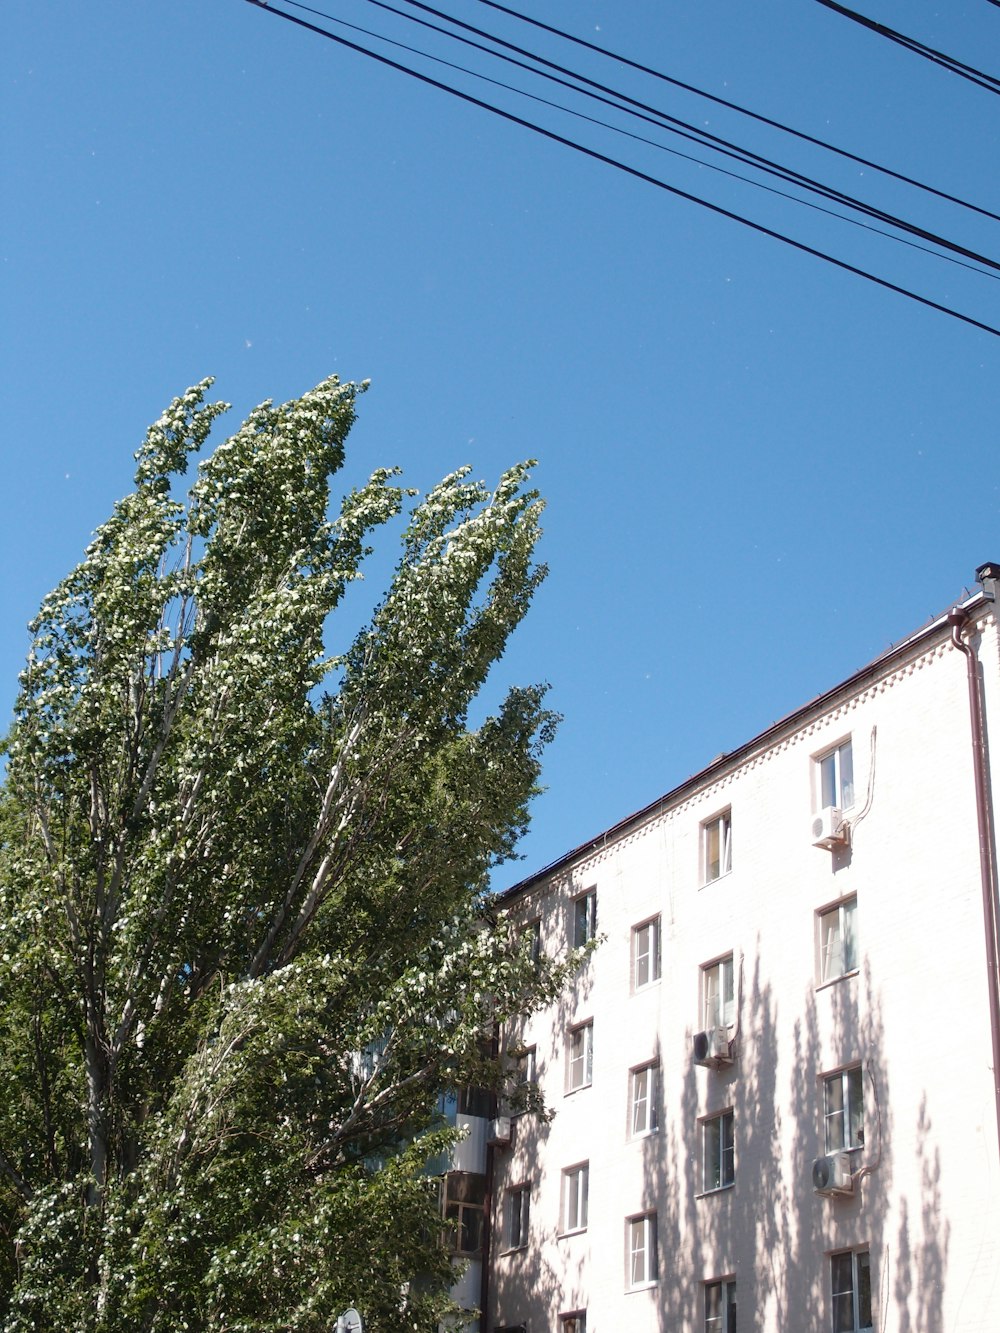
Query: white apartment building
775	1078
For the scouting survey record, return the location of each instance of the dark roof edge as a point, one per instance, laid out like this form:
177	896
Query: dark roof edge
874	668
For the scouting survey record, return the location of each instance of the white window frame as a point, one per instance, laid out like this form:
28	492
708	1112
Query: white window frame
717	846
468	1214
718	1160
720	1306
524	1067
640	1249
575	1322
575	1198
834	770
844	1110
838	939
850	1291
580	1056
644	1099
646	953
517	1216
584	920
718	993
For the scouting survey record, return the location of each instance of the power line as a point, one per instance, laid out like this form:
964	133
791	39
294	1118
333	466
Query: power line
734	106
964	71
663	120
624	167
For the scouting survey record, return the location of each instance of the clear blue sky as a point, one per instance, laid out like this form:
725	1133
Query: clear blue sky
760	470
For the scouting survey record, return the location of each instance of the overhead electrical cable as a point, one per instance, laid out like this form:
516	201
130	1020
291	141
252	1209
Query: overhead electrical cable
662	120
734	106
634	172
976	76
792	177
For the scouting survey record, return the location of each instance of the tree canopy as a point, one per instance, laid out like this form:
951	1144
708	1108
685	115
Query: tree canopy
245	934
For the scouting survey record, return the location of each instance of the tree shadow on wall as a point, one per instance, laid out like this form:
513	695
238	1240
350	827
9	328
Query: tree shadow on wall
770	1230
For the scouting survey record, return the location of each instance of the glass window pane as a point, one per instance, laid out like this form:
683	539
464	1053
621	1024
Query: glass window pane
712	850
846	756
856	1108
864	1290
850	951
828	780
728	995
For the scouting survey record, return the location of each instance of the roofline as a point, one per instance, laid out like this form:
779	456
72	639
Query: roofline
874	668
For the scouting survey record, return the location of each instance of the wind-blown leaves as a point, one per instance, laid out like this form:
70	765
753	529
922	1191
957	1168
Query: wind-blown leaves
244	939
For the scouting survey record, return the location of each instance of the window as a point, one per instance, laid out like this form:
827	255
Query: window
532	932
576	1188
516	1221
463	1197
844	1110
851	1285
718	994
838	940
475	1101
836	777
573	1323
641	1232
719	1151
584	918
524	1067
644	1100
717	846
580	1069
720	1307
646	953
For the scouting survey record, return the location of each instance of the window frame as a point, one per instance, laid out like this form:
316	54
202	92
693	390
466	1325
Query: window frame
642	1225
584	923
574	1321
850	1113
532	930
575	1202
834	777
652	955
650	1099
717	863
517	1216
859	1292
718	1133
845	910
725	1015
723	1319
463	1211
585	1060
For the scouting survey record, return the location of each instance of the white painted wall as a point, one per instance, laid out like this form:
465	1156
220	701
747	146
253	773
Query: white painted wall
915	1013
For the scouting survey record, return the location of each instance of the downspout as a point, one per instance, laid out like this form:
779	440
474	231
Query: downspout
958	619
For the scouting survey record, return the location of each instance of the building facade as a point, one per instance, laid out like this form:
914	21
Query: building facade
774	1078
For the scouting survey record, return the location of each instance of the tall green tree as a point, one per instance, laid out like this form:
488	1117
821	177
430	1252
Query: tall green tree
245	941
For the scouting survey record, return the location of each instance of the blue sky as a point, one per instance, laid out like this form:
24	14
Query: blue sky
760	470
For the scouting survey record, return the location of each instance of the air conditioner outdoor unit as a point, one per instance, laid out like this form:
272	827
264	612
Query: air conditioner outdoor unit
500	1130
712	1048
832	1174
829	828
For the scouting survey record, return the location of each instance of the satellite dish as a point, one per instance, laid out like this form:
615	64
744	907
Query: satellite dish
350	1322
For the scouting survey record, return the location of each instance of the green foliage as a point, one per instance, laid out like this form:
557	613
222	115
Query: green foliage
244	939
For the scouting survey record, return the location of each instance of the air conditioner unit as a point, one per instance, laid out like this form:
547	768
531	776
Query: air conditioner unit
829	828
832	1174
500	1130
712	1048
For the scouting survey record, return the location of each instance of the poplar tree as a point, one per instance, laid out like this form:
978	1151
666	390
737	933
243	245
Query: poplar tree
245	935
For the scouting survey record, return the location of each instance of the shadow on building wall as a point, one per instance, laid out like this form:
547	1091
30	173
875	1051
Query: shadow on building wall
771	1230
